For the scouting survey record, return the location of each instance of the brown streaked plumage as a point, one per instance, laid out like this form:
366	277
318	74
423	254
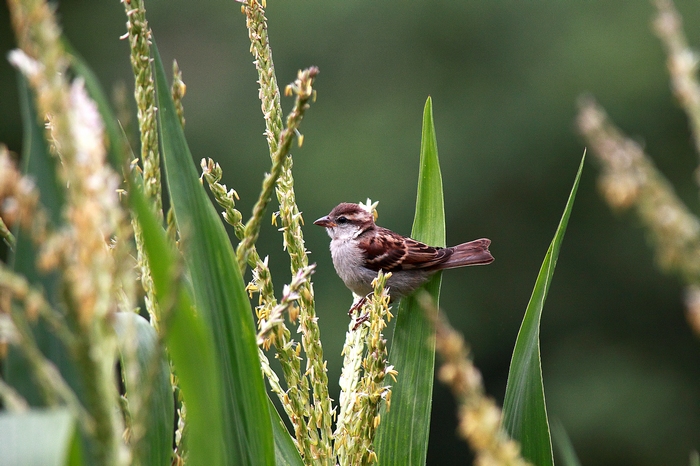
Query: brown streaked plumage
360	249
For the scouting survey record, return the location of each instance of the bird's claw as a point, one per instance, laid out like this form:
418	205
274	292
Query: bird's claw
357	305
360	320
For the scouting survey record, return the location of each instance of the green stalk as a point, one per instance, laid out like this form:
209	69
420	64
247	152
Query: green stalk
139	36
293	237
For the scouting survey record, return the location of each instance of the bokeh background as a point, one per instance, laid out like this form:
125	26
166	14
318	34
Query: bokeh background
621	366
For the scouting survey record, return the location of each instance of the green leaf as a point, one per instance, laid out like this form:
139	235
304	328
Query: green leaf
219	292
286	454
150	379
194	358
402	436
36	158
188	340
524	409
566	451
694	458
39	438
38	163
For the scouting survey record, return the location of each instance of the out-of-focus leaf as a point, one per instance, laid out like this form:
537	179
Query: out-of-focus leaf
36	159
38	163
286	454
402	436
524	408
694	458
564	447
219	292
188	340
117	147
136	335
39	438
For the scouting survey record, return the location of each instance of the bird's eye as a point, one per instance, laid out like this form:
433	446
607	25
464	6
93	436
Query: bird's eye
341	220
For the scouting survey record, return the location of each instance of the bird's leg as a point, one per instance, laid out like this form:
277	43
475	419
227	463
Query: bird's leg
358	302
357	305
360	320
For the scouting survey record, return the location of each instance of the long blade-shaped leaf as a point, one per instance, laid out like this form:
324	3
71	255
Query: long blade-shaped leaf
694	458
41	166
219	292
139	346
286	454
402	436
563	444
189	343
524	409
36	158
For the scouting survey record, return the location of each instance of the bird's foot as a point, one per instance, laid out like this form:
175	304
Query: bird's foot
360	320
357	305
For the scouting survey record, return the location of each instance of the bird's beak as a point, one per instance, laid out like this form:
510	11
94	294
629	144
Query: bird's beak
325	222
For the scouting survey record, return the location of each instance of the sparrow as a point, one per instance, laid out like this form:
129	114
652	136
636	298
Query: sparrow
360	249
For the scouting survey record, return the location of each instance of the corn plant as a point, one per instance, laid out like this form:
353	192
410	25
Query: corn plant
127	332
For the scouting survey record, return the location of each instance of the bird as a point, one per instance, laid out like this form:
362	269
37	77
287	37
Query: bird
360	249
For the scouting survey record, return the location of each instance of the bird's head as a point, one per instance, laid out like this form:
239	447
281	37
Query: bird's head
346	221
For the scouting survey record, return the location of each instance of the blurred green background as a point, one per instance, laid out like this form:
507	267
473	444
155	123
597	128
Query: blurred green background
621	365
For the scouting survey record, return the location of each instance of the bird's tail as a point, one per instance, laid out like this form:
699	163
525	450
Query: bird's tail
472	253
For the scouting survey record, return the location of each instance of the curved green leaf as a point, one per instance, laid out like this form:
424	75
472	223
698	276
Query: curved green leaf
524	408
38	163
564	447
193	354
194	357
36	159
286	454
219	292
188	341
694	458
136	335
402	436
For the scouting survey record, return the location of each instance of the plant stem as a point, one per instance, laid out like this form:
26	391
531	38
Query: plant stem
93	217
362	380
145	95
139	36
302	87
293	237
682	64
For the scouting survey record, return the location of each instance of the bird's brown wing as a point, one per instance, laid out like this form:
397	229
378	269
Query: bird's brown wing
384	250
388	251
422	256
